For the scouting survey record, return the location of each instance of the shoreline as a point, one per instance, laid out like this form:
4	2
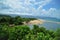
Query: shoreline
49	21
39	21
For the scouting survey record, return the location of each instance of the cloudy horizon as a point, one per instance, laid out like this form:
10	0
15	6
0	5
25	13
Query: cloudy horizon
47	8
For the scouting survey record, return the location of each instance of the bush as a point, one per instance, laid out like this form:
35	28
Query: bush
23	32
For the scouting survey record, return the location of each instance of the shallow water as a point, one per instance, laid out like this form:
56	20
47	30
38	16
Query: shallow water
48	25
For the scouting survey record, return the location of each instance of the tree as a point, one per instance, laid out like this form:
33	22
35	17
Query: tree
3	33
57	34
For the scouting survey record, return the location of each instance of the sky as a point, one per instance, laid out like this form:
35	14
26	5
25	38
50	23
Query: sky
47	8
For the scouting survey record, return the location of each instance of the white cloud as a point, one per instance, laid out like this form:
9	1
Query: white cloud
24	4
27	7
52	12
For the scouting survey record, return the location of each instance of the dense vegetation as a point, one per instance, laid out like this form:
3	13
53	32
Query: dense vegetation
8	20
22	32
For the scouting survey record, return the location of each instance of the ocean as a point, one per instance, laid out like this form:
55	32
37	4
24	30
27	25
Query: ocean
50	25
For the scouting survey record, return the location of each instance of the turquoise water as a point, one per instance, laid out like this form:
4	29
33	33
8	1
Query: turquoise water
48	25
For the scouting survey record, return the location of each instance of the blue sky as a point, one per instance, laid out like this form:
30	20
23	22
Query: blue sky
47	8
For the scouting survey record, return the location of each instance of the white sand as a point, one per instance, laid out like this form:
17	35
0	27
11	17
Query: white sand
39	21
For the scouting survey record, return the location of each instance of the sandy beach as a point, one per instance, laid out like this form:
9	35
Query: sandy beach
39	21
35	22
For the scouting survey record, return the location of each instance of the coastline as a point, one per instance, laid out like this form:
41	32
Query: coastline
49	21
39	21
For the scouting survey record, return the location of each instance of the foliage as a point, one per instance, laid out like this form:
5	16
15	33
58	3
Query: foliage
13	20
23	32
12	28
